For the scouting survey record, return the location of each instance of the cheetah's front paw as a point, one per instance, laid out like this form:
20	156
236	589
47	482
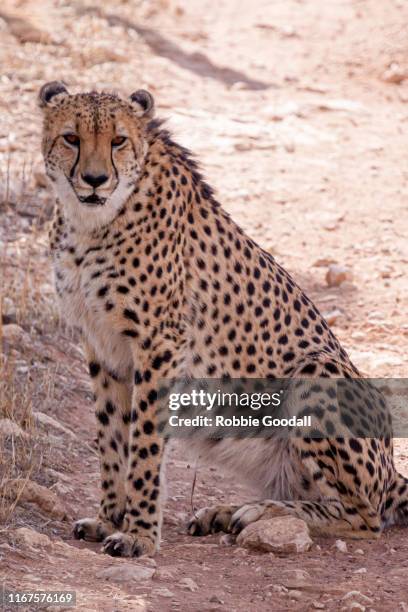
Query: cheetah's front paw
126	545
93	530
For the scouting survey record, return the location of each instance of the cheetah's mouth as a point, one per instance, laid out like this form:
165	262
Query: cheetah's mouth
93	200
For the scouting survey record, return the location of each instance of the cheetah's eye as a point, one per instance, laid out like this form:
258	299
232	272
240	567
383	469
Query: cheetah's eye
118	141
71	139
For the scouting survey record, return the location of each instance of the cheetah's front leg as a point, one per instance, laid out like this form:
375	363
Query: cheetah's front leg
141	527
113	402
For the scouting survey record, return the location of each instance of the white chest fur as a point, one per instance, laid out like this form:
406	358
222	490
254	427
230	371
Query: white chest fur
81	307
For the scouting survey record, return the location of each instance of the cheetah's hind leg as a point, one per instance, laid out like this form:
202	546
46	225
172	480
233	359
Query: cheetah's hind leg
211	520
329	518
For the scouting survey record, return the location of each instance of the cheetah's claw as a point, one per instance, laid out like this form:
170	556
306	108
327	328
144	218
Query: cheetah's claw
125	545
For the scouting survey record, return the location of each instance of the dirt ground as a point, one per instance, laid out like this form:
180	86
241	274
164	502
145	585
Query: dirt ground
298	111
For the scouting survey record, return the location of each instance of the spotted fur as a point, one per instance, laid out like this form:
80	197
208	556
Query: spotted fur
161	282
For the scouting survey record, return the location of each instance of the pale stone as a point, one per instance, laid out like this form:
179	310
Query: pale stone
354	606
296	578
227	539
8	307
216	599
163	592
357	594
126	572
31	492
295	595
281	535
188	583
332	316
394	74
15	334
336	275
29	537
341	545
164	573
46	419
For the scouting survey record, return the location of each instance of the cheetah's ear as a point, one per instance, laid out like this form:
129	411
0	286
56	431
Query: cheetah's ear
143	102
49	91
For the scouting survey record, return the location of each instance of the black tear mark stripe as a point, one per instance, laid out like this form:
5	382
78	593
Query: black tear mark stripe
72	172
114	167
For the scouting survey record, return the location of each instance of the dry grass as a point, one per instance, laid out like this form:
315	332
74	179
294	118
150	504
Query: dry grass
27	308
21	453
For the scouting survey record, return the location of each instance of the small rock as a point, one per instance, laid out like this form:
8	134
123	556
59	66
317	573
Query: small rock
279	588
296	578
25	31
31	492
67	550
354	606
386	273
341	545
163	573
243	146
46	419
289	147
336	275
318	605
295	595
188	583
394	74
163	592
281	535
358	595
332	316
58	476
101	55
15	334
30	537
362	570
216	599
11	428
126	572
8	309
359	551
227	539
323	262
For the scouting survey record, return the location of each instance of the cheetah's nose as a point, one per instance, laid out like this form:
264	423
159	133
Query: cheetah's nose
94	181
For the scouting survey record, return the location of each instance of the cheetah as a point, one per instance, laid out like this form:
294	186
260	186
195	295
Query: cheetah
161	283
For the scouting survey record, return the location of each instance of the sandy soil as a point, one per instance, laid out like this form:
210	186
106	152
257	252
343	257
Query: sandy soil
298	111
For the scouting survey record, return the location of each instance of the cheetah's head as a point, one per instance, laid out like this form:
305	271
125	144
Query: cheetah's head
94	146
